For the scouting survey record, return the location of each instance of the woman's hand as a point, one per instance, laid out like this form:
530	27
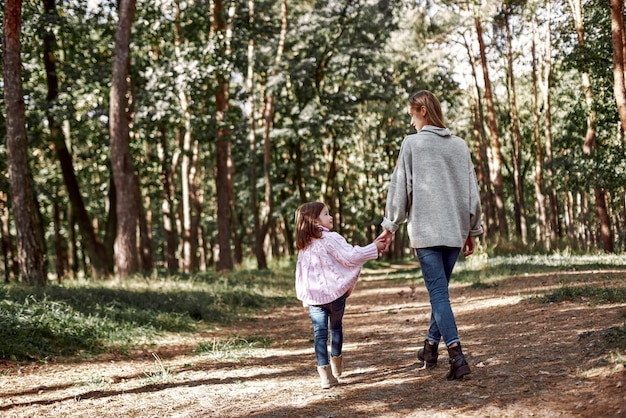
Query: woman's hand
468	248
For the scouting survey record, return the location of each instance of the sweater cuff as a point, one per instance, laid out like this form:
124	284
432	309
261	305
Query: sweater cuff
388	225
371	251
477	231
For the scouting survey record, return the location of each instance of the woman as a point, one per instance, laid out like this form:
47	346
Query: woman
433	189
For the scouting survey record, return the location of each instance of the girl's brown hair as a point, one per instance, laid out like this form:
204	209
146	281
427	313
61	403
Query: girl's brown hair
428	100
307	227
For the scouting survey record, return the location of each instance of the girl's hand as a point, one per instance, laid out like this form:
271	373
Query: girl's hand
384	237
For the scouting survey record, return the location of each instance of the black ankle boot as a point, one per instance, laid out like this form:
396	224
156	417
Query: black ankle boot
458	365
428	354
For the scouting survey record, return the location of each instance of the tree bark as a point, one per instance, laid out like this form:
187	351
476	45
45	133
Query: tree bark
100	264
518	180
546	85
590	144
31	248
496	169
541	230
167	202
125	246
269	116
187	232
257	244
9	262
482	159
617	33
223	154
145	233
196	195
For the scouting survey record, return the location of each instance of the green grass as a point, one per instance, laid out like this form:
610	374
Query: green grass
483	271
235	346
82	318
85	318
480	267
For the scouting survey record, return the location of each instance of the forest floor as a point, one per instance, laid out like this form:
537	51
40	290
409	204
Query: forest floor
528	358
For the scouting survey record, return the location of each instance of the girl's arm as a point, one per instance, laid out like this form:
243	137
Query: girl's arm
349	255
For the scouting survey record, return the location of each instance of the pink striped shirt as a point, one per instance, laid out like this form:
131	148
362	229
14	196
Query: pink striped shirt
329	267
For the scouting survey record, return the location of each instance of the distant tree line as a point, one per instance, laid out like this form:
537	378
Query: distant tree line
181	136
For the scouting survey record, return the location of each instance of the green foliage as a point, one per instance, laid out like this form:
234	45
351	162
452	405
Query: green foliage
234	346
618	356
339	93
605	168
86	318
480	267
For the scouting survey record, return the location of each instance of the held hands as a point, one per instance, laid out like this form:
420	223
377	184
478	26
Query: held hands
383	241
380	244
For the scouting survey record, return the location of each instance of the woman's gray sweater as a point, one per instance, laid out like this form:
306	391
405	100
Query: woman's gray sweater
433	188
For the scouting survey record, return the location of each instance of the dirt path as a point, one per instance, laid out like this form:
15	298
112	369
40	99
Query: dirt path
527	359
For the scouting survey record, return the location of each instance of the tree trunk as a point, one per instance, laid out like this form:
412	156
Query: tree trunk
9	262
619	64
195	195
568	214
125	248
623	223
185	164
100	265
224	180
167	204
590	144
72	248
482	159
145	234
268	118
542	234
197	199
257	244
223	154
619	84
31	248
187	253
59	258
496	169
518	180
328	187
546	85
587	229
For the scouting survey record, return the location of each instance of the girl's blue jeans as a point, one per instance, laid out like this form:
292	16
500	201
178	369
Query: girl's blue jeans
324	318
437	264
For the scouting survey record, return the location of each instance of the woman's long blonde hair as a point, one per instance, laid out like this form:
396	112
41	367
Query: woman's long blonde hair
307	227
428	100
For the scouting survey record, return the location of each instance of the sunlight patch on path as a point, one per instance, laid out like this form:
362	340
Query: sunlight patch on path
487	303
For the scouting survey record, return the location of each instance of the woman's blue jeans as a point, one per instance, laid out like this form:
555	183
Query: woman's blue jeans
325	317
437	264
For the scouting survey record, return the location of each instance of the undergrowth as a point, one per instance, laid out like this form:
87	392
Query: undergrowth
590	294
235	346
84	318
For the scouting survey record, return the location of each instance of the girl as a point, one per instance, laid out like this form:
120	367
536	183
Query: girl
326	273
